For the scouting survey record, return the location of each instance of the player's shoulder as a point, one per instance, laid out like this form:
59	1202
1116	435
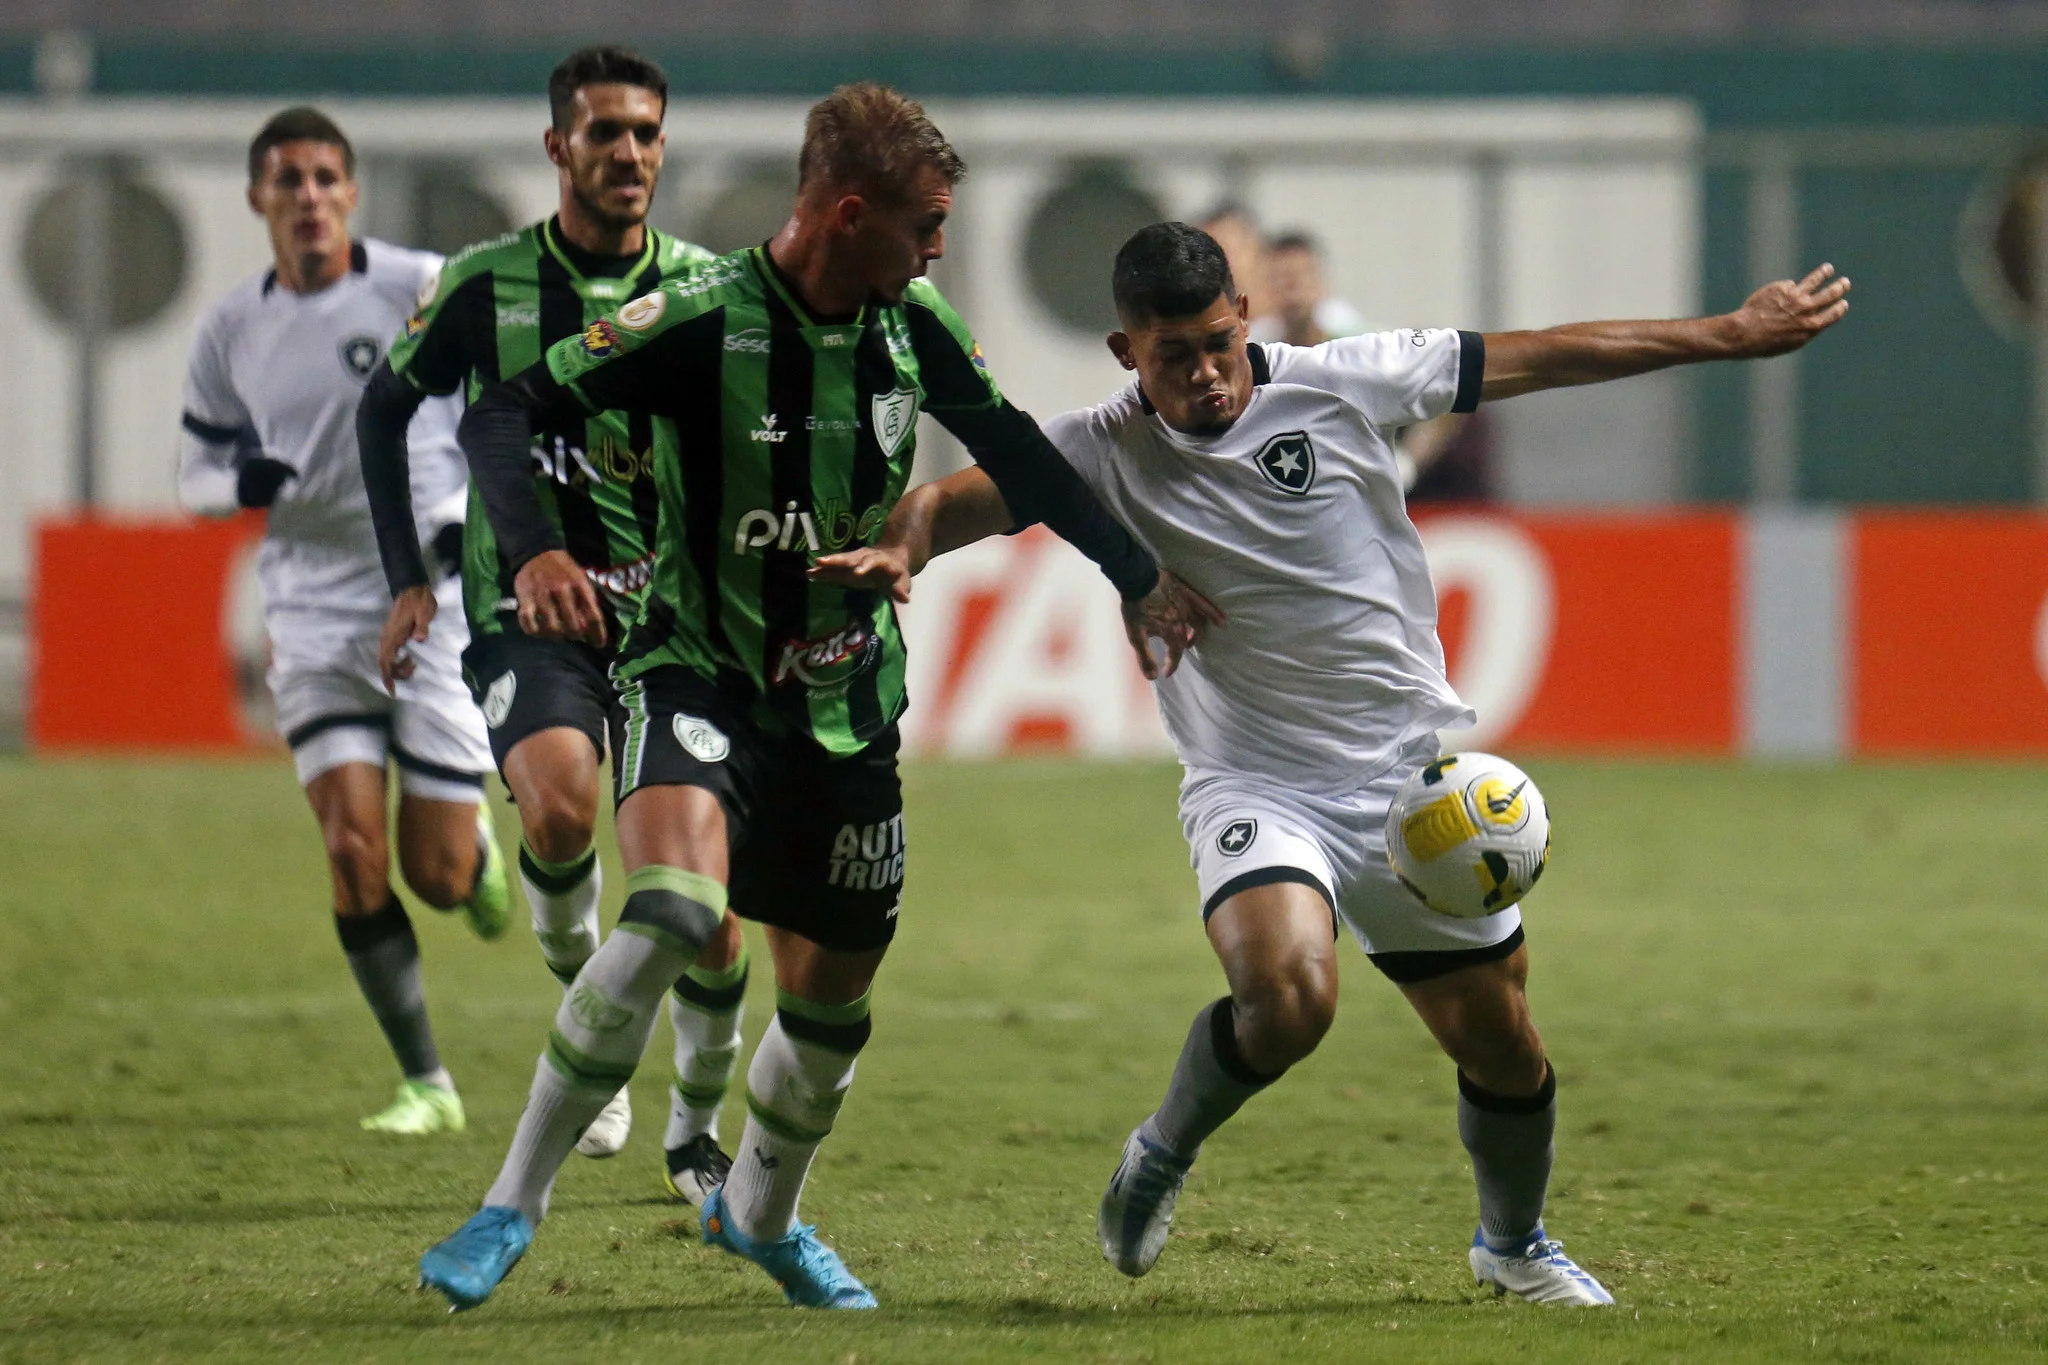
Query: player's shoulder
400	271
518	249
1116	421
1368	354
675	256
233	308
715	282
924	296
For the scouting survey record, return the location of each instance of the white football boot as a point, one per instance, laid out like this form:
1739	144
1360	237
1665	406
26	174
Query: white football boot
1137	1208
606	1135
1538	1271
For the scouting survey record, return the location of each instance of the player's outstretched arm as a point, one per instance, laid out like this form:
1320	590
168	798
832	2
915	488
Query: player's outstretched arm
929	520
1780	317
556	600
963	508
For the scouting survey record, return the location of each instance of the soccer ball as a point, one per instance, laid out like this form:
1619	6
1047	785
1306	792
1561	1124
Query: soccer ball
1469	835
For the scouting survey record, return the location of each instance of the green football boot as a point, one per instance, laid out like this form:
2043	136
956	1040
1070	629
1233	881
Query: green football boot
488	908
420	1110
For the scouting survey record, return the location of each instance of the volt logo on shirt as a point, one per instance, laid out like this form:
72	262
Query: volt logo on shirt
1289	462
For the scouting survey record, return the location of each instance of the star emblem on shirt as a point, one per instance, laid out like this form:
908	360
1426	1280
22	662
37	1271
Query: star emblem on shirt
1236	837
1288	462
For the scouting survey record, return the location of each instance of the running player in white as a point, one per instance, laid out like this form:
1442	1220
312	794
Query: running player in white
270	402
1266	476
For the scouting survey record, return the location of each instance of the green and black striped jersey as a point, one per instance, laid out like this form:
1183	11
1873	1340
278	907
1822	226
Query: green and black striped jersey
494	311
777	438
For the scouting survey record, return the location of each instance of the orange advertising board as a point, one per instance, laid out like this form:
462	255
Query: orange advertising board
1950	632
130	641
1667	633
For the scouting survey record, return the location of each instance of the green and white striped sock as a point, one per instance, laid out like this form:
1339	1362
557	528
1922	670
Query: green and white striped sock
797	1081
705	1009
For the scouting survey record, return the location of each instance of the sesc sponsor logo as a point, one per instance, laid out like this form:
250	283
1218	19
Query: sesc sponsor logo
751	341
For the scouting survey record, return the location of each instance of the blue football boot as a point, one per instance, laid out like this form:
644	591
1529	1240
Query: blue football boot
468	1264
810	1273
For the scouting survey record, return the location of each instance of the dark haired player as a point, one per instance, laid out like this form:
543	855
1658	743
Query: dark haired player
1266	472
496	309
783	385
275	373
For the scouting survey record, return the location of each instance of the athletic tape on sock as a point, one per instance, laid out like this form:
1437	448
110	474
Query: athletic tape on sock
673	904
840	1028
555	878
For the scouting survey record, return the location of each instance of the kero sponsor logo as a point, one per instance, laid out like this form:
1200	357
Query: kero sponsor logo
807	660
867	857
761	528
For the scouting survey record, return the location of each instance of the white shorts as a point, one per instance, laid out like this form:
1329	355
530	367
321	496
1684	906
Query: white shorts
1245	831
332	707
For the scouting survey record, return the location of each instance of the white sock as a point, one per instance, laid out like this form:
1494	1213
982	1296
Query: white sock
600	1031
563	899
705	1010
799	1078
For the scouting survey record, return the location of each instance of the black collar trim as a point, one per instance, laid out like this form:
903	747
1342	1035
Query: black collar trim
358	263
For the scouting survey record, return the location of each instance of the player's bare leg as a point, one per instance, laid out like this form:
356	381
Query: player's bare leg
800	1074
1279	954
673	841
448	854
383	954
556	785
1507	1117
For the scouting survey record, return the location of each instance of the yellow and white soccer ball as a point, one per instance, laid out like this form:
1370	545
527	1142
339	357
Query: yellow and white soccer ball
1469	834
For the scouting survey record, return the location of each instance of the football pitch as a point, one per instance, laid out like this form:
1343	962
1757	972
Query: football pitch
1797	1016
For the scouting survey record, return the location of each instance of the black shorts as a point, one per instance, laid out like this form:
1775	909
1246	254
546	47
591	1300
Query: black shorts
817	840
525	685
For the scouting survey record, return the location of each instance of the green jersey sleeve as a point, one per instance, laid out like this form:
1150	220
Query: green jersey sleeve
438	348
950	364
626	361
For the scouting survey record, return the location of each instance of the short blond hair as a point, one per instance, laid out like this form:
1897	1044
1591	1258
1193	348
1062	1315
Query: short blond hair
869	138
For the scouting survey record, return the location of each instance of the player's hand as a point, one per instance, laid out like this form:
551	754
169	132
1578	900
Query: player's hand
260	478
1172	613
876	568
1786	314
556	601
412	611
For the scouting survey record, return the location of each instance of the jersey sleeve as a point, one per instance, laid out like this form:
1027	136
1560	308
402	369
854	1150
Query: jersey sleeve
1395	378
216	427
1036	483
438	347
1079	438
626	361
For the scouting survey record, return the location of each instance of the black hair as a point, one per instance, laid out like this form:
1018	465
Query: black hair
600	66
300	123
1169	270
1295	240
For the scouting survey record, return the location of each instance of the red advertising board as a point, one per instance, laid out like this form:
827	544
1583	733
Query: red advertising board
1594	633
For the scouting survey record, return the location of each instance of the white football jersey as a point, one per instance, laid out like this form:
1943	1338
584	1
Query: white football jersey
1294	523
280	373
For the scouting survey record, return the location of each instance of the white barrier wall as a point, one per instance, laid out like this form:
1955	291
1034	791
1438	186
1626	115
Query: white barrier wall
1476	214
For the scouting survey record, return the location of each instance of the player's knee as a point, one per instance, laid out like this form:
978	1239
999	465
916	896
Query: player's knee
558	823
1284	1015
1506	1058
358	857
440	876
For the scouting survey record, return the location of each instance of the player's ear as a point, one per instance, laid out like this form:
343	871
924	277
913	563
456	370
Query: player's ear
556	145
1244	308
1120	346
846	213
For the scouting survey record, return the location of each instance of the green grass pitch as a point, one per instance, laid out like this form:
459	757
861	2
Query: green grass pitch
1798	1017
